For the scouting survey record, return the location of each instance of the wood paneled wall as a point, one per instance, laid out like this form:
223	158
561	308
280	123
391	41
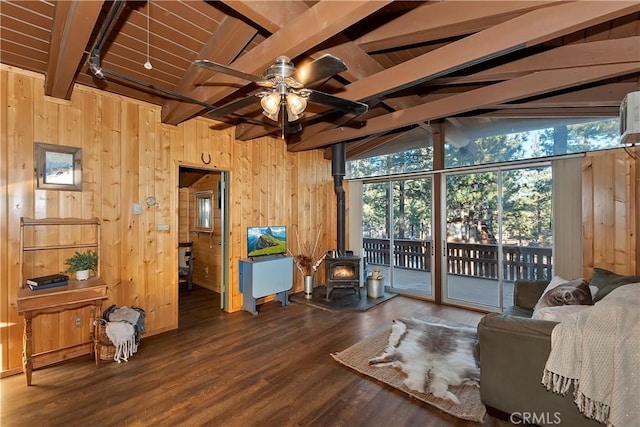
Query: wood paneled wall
128	154
610	206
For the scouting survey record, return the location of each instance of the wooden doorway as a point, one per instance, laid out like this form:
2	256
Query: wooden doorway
202	219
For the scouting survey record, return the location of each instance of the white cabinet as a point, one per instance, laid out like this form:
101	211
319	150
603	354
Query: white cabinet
264	276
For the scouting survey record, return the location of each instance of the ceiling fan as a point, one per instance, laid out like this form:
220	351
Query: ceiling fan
285	95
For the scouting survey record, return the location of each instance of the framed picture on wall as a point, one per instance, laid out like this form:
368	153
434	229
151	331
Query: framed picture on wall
58	167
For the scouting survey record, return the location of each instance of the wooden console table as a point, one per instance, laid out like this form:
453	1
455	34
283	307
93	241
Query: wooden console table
53	300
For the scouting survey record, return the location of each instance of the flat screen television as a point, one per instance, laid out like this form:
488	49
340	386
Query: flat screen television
269	240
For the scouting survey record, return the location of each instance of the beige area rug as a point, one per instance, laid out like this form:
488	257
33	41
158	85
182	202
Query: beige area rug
357	358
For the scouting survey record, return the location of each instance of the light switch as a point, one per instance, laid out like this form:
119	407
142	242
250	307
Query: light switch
137	209
162	227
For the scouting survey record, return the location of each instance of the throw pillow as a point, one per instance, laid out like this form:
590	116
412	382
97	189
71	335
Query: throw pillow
575	292
563	313
606	281
557	281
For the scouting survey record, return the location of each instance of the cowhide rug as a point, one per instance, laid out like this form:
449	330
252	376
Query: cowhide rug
434	355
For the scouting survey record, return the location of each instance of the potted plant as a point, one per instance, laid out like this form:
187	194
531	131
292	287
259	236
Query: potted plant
81	262
307	263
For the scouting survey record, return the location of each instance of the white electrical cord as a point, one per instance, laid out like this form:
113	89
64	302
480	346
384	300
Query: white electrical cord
147	64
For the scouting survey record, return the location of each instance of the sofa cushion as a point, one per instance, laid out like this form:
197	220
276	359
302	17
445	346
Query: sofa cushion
606	281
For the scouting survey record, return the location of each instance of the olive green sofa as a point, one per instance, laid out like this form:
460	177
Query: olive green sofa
513	350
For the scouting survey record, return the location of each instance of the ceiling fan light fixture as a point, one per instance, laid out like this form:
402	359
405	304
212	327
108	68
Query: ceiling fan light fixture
271	105
295	106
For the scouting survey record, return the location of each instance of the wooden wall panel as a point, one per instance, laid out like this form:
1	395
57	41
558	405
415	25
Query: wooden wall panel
609	211
129	155
4	290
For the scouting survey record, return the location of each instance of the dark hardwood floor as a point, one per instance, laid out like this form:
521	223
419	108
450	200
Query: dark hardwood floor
222	369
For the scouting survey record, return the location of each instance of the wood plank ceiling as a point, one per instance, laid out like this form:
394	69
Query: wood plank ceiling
469	64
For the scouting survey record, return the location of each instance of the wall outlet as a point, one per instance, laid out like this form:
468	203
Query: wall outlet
78	322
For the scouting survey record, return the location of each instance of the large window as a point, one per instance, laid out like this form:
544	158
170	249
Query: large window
497	220
473	142
390	164
540	140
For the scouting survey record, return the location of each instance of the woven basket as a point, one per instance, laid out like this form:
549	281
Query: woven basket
107	349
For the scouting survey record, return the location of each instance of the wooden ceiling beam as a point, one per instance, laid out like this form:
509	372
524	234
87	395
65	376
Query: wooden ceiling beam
607	95
73	23
375	143
267	15
322	21
523	87
600	52
273	19
552	113
441	20
224	45
524	31
575	55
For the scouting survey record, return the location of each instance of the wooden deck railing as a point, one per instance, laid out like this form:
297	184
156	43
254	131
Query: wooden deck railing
466	259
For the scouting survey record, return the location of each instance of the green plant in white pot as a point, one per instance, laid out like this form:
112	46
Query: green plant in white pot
81	262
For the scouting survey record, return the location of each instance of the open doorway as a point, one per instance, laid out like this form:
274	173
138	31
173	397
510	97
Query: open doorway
202	230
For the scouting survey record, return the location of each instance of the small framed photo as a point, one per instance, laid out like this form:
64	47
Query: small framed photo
58	167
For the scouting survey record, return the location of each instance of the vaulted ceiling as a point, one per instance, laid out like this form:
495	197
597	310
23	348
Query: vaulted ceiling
471	63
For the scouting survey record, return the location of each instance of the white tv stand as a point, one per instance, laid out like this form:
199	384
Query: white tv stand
262	276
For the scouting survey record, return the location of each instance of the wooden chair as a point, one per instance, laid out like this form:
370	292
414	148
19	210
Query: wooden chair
185	264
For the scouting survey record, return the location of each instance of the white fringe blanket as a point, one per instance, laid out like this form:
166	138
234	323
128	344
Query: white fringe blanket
122	335
599	354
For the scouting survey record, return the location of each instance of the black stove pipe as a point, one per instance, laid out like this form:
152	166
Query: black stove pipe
338	166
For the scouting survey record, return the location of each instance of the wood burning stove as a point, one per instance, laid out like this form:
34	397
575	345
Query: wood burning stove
342	272
342	267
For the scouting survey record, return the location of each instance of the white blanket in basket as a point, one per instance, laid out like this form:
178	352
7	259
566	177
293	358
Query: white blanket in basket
122	335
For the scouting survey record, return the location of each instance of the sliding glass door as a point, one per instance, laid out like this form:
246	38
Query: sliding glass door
472	247
397	233
498	230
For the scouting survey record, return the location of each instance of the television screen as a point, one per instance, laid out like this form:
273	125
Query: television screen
266	241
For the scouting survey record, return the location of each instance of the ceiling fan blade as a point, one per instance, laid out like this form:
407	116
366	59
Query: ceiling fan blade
341	104
214	66
322	68
231	107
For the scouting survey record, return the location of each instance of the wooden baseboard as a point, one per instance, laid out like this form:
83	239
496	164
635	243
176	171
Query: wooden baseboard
10	372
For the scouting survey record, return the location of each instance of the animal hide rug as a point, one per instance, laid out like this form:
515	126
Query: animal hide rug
434	354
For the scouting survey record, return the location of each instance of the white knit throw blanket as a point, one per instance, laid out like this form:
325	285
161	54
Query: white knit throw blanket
599	354
122	335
